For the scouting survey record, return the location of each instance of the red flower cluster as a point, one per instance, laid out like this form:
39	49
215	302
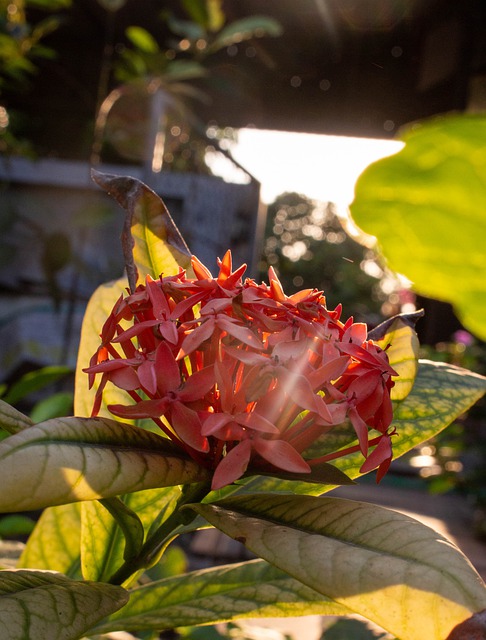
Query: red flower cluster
240	375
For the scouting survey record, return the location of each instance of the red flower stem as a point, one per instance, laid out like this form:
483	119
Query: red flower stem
218	451
112	351
293	432
341	453
288	415
307	435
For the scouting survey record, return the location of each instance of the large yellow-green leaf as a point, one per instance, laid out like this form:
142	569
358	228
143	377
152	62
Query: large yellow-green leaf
381	564
425	205
71	459
45	605
99	308
54	543
245	590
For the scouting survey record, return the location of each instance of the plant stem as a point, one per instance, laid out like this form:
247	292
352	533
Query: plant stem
158	541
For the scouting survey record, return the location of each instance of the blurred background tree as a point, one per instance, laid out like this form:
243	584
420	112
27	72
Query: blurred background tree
306	244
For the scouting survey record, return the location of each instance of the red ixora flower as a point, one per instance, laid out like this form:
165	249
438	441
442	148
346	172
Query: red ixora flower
243	377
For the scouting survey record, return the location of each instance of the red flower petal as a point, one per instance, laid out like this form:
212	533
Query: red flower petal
168	331
256	422
240	332
184	306
166	369
281	454
201	272
330	371
214	422
301	392
124	378
197	385
275	286
187	425
147	377
232	466
196	337
159	303
135	330
356	333
380	457
361	429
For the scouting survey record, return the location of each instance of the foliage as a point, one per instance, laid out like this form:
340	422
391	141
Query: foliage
137	66
356	629
34	381
20	41
458	455
166	80
21	46
124	492
432	192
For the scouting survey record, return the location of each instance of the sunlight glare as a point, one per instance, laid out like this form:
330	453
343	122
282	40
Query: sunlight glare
321	167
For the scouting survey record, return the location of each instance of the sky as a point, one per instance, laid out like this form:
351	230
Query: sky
323	168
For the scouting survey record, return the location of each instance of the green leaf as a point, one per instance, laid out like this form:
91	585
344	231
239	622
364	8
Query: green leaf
206	15
15	525
425	206
323	474
112	5
402	346
197	11
441	393
355	629
381	564
56	540
71	459
55	406
102	542
34	604
12	420
129	523
54	543
216	16
50	5
123	523
180	70
245	590
186	28
150	232
142	39
34	381
172	563
246	29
